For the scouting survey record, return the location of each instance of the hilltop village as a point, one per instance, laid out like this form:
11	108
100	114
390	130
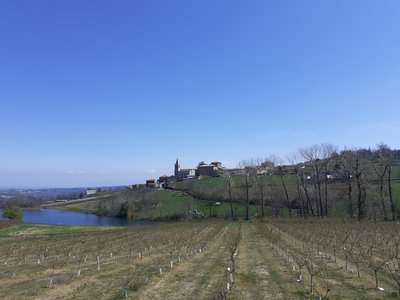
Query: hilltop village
213	169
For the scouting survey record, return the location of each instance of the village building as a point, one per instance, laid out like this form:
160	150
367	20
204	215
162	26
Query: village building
163	179
91	192
209	170
285	169
151	183
135	186
181	174
213	169
234	172
267	167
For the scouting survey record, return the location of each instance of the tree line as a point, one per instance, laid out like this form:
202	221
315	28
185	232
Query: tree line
317	181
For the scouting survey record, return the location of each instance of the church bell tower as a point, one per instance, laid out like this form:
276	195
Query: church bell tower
177	168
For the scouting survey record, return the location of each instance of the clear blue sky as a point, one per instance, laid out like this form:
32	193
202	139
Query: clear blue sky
97	92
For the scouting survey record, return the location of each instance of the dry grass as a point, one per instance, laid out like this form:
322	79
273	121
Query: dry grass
262	272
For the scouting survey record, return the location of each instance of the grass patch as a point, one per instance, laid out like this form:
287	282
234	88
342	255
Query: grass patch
37	229
170	203
247	278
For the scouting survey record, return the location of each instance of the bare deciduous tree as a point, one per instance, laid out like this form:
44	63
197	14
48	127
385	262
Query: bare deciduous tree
246	183
387	157
381	169
329	153
279	162
355	159
230	184
294	159
319	156
312	155
346	172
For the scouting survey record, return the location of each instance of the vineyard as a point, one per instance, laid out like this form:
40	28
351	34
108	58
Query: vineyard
336	259
262	259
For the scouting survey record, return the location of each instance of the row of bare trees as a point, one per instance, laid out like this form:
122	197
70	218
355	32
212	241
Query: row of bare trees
321	177
139	251
370	247
318	180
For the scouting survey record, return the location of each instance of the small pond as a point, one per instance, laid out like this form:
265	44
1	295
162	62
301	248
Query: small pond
61	217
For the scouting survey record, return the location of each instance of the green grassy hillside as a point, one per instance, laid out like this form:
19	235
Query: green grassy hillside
199	197
166	204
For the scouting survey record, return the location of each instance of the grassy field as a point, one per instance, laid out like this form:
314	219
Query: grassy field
170	203
21	230
224	209
211	259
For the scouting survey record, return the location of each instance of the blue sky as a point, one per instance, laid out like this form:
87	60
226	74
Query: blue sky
99	92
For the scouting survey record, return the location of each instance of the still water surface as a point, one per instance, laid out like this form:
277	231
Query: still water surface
60	217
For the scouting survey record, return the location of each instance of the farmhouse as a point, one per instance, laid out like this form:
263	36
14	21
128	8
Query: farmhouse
90	192
211	169
203	170
151	183
163	179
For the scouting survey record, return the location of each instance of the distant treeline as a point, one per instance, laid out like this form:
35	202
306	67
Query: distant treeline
127	204
22	201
